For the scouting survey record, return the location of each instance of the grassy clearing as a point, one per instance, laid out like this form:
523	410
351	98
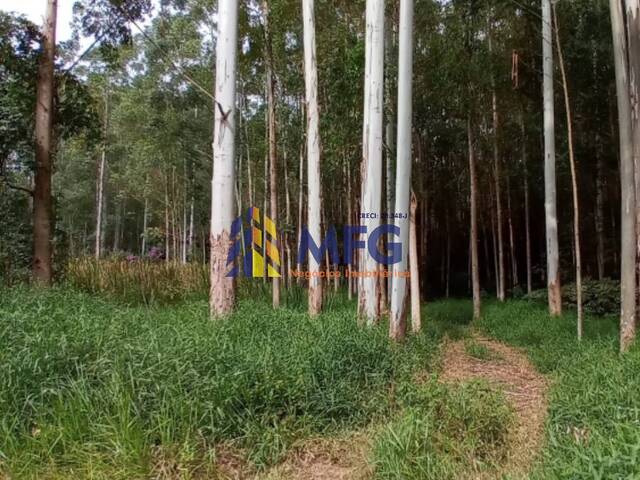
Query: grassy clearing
593	430
93	389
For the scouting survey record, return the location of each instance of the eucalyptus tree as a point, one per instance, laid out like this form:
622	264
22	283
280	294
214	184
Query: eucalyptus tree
397	325
368	292
551	215
222	295
313	150
42	199
628	253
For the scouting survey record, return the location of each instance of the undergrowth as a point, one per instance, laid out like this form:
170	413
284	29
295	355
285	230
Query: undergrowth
93	389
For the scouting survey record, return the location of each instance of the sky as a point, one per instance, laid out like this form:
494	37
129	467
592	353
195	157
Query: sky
34	11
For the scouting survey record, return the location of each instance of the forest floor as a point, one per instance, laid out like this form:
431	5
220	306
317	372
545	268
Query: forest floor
94	388
509	370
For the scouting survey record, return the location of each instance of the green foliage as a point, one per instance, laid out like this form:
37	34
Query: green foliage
97	389
15	236
446	432
600	297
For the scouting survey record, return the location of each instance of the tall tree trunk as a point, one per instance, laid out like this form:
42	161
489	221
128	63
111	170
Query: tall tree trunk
389	132
42	201
287	204
633	34
498	197
574	177
100	207
398	320
222	296
627	182
300	209
349	221
473	227
416	319
599	213
372	154
550	204
273	155
527	213
313	151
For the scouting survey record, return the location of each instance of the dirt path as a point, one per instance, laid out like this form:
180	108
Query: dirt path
525	388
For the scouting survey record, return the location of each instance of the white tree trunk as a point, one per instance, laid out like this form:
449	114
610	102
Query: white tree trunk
222	294
368	305
397	324
313	151
574	180
627	184
100	202
551	218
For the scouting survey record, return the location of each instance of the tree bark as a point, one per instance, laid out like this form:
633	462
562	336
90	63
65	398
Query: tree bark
372	154
273	155
527	213
313	151
42	201
473	227
551	217
599	213
574	178
222	295
416	319
398	320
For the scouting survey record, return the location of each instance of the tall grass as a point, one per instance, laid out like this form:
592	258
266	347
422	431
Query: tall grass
139	281
94	389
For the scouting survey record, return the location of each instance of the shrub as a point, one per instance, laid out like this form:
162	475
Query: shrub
600	297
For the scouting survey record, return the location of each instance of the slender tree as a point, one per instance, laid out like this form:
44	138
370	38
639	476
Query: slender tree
627	183
222	296
501	284
551	216
397	325
368	305
102	168
473	227
42	201
313	151
273	155
416	318
574	177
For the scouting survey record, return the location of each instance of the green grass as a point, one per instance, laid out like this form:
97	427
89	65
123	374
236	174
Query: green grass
444	432
479	351
593	430
97	388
